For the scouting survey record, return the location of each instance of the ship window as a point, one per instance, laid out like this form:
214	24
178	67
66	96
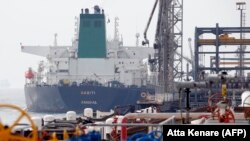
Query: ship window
86	23
98	23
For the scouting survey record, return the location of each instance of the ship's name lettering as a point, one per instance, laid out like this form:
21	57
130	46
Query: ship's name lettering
87	92
89	102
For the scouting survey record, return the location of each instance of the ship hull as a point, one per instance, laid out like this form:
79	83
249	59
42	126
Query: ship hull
76	98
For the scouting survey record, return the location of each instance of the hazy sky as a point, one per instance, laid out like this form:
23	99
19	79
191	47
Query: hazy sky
34	22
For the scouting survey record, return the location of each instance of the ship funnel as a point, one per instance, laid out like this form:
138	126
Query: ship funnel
92	45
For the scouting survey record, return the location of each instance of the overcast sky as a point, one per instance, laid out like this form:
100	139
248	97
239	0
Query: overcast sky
34	22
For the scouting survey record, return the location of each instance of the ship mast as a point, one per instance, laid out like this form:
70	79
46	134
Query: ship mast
117	38
116	31
55	40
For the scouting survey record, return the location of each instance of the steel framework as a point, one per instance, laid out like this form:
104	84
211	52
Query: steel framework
168	43
220	39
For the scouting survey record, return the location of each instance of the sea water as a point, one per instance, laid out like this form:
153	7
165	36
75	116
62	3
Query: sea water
16	97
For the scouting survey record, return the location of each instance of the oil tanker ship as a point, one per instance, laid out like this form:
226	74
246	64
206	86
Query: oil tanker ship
102	74
91	73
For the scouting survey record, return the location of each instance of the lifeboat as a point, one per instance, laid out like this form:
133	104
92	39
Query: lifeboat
29	74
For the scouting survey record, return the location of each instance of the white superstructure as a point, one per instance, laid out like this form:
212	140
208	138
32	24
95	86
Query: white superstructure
124	64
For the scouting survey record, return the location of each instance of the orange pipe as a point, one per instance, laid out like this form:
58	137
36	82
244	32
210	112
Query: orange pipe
224	41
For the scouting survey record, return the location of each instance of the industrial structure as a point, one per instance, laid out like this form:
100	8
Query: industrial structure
167	61
222	37
121	81
168	58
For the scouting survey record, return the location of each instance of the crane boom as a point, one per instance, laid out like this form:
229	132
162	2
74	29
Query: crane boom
146	41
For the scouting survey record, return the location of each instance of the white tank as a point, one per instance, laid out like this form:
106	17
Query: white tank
245	99
71	115
88	112
48	118
38	122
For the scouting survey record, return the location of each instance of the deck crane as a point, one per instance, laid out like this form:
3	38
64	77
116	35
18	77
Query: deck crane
146	41
168	41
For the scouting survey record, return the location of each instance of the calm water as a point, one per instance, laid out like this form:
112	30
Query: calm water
15	97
